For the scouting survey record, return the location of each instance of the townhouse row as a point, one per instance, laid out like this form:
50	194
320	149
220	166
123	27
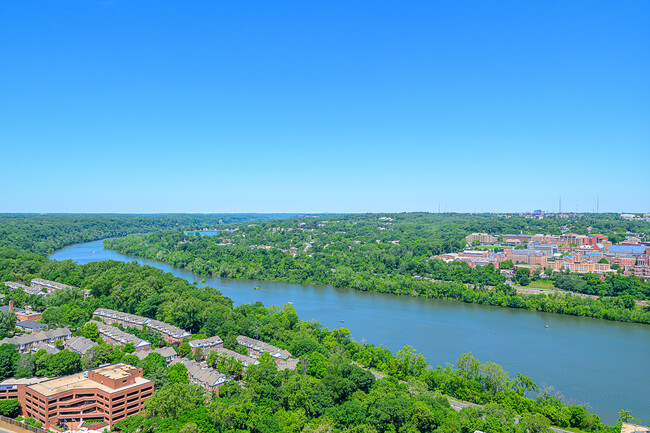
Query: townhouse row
171	334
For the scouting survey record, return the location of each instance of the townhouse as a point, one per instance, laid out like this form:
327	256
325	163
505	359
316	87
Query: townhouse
206	345
81	345
166	352
116	337
245	360
200	374
171	334
255	348
49	286
25	342
29	290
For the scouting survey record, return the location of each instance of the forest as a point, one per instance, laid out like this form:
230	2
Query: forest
392	254
44	233
328	392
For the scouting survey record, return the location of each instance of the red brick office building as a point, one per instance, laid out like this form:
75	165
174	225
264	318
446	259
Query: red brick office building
112	392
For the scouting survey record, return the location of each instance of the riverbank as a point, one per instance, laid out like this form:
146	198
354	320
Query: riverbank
460	283
579	358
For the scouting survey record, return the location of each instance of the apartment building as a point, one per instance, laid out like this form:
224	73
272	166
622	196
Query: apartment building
116	337
25	342
255	348
111	393
206	345
171	334
200	374
81	345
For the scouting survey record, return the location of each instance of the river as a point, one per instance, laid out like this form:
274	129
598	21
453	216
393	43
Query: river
601	364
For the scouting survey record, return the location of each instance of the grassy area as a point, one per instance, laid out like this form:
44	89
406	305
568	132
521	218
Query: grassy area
541	284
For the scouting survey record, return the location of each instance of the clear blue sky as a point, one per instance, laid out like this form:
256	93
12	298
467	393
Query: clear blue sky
350	106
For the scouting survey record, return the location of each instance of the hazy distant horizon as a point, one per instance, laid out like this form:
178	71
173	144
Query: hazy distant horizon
298	213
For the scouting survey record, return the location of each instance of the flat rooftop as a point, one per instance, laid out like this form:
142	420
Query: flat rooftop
80	381
115	371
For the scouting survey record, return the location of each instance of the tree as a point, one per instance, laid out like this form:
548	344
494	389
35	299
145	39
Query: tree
25	366
522	276
625	416
98	355
184	349
58	344
533	423
178	374
63	363
7	324
8	357
9	407
90	331
174	399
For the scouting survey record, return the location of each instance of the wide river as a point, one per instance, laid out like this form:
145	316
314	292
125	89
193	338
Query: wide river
601	364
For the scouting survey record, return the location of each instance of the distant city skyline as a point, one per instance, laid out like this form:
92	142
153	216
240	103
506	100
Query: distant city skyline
119	107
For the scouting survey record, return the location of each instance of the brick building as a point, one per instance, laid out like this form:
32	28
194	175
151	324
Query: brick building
21	314
111	393
529	257
581	264
206	345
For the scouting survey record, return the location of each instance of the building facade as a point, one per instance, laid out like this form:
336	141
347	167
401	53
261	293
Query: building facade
110	393
206	345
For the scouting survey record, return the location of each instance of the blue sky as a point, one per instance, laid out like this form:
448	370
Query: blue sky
149	106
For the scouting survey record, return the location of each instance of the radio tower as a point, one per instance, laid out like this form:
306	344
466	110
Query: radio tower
597	203
560	204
